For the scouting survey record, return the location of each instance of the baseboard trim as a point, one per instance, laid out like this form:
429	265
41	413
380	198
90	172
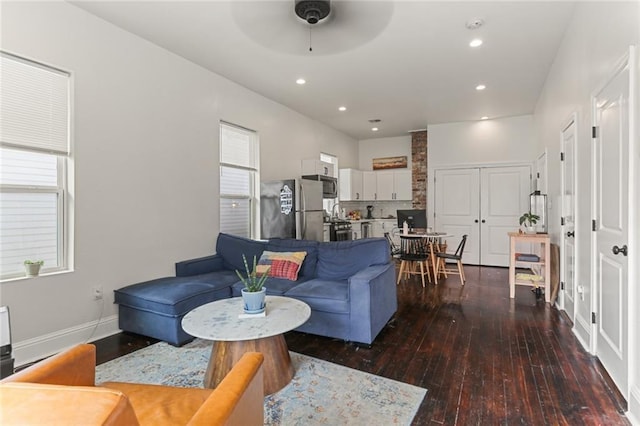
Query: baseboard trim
634	406
31	350
581	330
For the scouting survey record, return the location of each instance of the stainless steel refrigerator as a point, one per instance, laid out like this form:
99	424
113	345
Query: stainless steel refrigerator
291	208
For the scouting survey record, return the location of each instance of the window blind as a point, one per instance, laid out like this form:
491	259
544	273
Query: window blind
34	106
237	146
238	174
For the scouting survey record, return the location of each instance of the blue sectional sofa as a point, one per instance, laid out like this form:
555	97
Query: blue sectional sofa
349	285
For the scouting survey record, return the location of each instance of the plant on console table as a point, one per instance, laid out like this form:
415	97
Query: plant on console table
253	293
529	220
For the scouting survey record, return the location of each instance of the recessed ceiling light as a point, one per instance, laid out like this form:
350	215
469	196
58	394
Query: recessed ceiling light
301	81
475	42
484	118
374	129
342	108
481	87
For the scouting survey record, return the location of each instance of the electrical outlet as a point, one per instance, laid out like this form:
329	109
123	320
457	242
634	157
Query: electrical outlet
97	292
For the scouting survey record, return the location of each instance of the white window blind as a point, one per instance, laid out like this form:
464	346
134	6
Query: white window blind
34	151
238	177
34	107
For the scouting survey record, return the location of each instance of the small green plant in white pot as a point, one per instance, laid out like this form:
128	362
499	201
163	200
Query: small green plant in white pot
32	267
529	220
253	293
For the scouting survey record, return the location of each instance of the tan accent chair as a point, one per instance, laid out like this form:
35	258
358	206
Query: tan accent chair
60	391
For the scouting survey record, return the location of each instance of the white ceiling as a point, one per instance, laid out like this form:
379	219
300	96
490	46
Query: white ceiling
407	63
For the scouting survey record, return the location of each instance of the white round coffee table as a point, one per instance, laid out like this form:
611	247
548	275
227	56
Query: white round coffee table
233	336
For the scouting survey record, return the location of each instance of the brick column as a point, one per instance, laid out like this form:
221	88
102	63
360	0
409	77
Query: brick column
419	168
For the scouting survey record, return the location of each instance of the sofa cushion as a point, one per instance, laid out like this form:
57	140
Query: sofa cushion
323	295
175	296
281	264
308	268
341	259
274	286
231	248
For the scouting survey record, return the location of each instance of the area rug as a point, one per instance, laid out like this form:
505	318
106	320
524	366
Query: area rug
320	392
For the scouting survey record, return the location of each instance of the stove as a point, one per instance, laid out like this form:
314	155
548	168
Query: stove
340	230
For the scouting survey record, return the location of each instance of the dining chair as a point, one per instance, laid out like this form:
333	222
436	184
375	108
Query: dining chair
395	250
457	256
414	252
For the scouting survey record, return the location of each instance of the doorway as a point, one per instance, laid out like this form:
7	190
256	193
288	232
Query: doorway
484	203
568	201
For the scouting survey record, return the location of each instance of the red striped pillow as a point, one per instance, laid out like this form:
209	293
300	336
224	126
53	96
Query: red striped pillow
283	264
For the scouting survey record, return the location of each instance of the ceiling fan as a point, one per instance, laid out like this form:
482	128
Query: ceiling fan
338	26
313	11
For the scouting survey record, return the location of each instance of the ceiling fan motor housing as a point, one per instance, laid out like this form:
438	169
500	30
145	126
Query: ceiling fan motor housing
313	11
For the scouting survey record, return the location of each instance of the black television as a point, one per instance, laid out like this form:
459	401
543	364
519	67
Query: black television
414	218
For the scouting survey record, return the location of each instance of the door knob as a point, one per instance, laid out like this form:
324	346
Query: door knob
571	234
483	221
476	221
622	250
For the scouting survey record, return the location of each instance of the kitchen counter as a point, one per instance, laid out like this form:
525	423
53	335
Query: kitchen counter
376	219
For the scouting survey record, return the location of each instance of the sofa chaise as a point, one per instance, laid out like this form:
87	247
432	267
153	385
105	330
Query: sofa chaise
349	285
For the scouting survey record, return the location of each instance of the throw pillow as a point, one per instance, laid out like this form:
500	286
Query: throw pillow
284	264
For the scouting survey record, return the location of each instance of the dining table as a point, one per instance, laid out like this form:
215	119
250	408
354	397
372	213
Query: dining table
433	242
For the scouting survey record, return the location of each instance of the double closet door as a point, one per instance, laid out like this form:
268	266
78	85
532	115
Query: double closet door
485	203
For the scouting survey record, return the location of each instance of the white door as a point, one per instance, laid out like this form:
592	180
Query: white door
611	179
568	211
457	208
504	196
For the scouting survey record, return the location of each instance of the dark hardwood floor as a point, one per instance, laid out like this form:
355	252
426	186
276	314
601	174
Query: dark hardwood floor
484	358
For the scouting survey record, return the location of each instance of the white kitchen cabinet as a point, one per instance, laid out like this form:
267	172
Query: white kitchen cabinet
380	226
385	187
402	185
393	185
377	228
313	166
351	185
369	185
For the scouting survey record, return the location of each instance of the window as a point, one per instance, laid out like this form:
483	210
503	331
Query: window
34	152
238	180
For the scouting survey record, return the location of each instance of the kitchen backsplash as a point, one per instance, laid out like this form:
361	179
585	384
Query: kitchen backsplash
381	209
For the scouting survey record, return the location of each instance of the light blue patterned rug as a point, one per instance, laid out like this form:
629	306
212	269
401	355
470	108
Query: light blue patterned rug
320	392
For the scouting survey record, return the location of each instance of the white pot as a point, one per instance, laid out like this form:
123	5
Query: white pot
530	229
32	269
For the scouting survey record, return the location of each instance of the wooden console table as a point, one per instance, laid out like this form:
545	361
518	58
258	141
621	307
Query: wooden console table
544	263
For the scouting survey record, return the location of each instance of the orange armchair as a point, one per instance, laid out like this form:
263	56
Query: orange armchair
61	390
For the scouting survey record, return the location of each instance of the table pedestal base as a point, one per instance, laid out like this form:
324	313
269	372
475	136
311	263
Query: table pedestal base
277	368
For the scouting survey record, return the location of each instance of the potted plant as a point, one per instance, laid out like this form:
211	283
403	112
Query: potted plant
253	293
529	220
32	267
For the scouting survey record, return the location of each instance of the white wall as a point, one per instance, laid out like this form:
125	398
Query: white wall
598	36
488	142
381	148
480	142
145	149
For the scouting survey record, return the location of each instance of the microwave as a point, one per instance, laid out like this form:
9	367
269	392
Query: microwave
329	185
